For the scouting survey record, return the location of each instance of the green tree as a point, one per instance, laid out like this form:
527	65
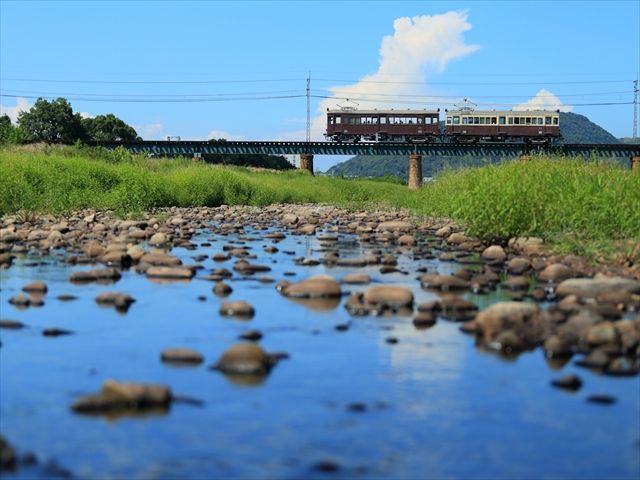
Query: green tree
9	133
51	122
109	128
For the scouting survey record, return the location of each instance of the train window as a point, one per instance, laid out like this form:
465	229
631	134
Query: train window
456	120
527	120
422	120
494	120
555	120
539	120
448	120
374	120
464	120
481	120
502	120
330	120
516	121
383	120
338	120
547	120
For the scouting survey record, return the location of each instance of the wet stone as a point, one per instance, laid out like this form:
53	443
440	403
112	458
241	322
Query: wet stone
96	275
508	342
120	301
35	287
251	335
66	297
516	283
357	279
622	367
389	296
601	399
244	359
20	301
443	282
8	456
556	347
556	272
239	309
175	273
56	332
592	287
160	260
319	286
117	259
222	289
596	359
116	395
326	466
568	382
518	265
11	324
424	320
181	356
494	254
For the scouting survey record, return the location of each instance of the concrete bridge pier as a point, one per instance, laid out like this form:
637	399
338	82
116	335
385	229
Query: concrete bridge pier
634	163
306	162
415	171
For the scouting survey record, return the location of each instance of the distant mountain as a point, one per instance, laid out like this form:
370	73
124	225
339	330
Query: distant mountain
574	128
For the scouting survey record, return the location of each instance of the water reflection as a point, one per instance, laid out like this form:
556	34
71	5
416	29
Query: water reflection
451	412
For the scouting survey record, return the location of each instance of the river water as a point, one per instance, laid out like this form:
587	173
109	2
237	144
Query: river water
346	404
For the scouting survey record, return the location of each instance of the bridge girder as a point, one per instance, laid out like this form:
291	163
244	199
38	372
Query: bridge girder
189	148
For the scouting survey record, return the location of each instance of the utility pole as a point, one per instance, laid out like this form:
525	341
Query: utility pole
635	111
309	107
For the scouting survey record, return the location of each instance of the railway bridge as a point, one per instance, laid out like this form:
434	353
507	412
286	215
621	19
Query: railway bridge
414	151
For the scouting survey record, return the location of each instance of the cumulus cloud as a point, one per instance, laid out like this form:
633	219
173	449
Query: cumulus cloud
86	115
151	131
544	100
218	134
418	44
22	105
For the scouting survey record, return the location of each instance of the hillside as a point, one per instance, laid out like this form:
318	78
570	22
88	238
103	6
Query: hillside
574	128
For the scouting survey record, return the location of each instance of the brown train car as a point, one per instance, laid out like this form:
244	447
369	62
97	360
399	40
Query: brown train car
351	125
539	126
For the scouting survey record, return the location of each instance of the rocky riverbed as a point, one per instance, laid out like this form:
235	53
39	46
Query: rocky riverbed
307	340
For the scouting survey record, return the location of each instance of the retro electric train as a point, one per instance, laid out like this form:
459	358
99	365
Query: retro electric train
460	126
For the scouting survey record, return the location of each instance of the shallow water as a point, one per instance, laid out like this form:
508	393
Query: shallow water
430	406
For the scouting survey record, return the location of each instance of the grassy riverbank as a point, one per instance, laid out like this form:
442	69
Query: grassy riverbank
570	203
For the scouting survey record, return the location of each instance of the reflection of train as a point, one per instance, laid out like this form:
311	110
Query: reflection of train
460	126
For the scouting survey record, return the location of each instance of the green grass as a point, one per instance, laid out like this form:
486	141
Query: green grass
578	206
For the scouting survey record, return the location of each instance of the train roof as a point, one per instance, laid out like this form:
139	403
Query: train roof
383	112
501	112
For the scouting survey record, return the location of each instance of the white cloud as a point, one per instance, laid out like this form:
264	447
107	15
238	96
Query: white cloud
151	131
544	100
86	115
218	134
418	44
22	105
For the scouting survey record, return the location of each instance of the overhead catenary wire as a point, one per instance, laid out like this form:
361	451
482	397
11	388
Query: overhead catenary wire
157	100
408	102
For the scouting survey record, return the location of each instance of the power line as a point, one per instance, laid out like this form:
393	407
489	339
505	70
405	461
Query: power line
158	100
150	82
145	95
584	82
408	102
480	96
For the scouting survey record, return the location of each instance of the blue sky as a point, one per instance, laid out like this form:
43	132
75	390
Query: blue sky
241	54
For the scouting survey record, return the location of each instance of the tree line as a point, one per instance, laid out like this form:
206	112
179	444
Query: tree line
55	122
